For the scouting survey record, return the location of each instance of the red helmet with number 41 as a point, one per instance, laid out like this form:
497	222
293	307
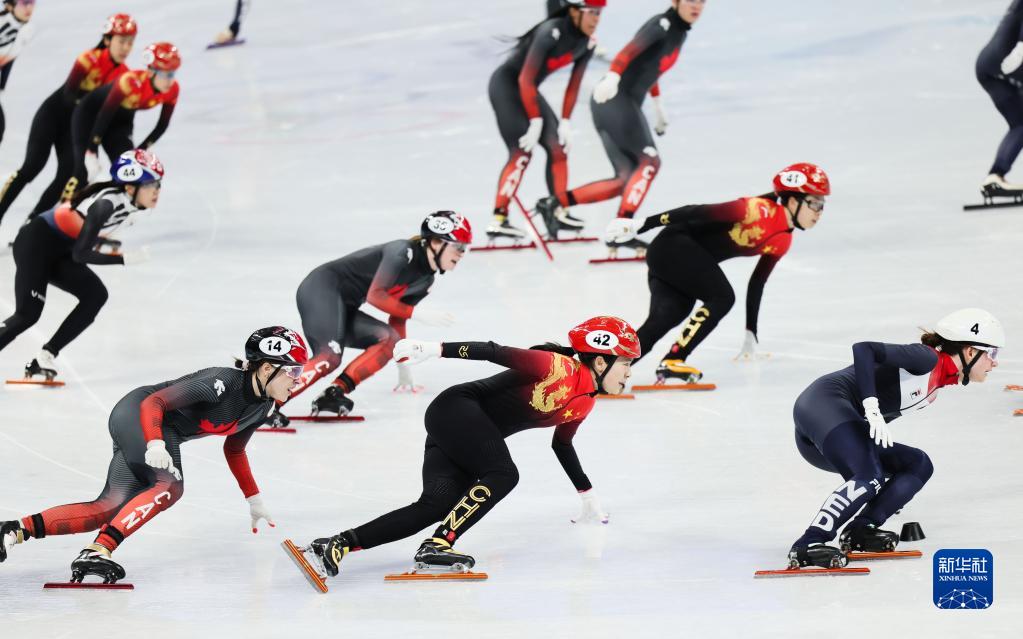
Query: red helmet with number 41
605	335
120	24
804	177
162	56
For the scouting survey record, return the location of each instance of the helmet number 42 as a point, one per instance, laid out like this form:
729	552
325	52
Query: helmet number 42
603	339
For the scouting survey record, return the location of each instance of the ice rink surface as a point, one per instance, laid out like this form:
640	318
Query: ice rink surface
341	124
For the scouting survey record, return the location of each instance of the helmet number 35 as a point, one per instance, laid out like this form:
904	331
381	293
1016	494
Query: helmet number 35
602	339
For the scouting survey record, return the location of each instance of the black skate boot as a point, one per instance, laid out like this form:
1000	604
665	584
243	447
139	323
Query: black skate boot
11	533
277	420
820	555
43	366
556	217
501	227
95	560
868	539
437	553
332	400
331	550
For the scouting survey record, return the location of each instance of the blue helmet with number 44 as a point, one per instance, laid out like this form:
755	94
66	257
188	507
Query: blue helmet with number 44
138	167
605	335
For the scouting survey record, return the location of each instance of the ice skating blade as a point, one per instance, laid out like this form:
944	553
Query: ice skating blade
298	557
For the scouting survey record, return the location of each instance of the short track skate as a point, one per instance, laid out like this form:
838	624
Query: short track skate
874	556
314	575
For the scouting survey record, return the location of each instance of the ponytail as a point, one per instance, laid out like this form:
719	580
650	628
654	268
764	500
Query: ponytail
939	343
92	189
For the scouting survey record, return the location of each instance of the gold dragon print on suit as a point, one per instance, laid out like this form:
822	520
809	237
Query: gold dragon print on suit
545	398
748	232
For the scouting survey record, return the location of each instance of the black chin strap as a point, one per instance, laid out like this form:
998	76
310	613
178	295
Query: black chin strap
436	254
261	386
610	361
967	367
795	216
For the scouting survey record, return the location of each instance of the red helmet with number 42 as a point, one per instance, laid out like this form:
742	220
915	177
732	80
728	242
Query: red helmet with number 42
120	24
802	178
605	335
448	226
162	56
276	344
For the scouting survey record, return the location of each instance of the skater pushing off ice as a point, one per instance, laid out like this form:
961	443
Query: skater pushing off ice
148	426
467	468
843	426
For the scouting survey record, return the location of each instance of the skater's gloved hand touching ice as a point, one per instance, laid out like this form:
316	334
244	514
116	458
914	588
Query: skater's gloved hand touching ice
620	230
158	457
528	141
413	351
405	382
878	427
607	88
138	256
257	510
661	125
433	317
592	511
565	134
749	349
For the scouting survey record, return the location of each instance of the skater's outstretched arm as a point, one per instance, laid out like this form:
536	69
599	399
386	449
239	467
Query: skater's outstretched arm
195	389
84	250
396	256
565	452
120	90
695	217
534	363
755	289
572	90
238	461
917	359
161	125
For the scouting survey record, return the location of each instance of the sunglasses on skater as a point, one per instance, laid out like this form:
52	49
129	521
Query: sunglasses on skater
814	204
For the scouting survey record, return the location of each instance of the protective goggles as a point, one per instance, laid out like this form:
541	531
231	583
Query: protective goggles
814	204
992	351
164	74
458	247
294	371
591	10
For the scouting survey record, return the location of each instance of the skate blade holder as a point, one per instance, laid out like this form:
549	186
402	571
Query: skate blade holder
297	556
443	575
327	419
619	396
674	387
35	382
80	585
894	554
810	572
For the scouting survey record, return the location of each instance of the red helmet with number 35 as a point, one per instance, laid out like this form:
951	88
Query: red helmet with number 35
162	56
804	177
120	24
605	335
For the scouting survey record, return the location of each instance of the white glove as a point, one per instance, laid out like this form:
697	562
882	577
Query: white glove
414	351
1013	61
749	349
878	427
92	167
405	382
257	510
528	141
662	120
620	230
565	134
432	317
132	258
607	88
592	512
158	457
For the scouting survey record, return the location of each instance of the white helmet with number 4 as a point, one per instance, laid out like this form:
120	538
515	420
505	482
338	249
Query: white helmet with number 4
972	326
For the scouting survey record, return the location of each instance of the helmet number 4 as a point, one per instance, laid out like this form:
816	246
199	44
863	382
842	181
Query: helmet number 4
975	329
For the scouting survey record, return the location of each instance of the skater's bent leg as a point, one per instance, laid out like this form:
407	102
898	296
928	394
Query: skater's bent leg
443	483
80	281
324	323
378	340
557	161
1009	102
848	448
639	183
601	190
668	309
510	178
910	468
30	281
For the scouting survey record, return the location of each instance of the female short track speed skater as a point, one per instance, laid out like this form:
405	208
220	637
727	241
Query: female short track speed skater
58	246
392	277
106	116
148	426
467	468
1000	72
15	32
617	108
523	115
230	35
683	260
51	126
842	426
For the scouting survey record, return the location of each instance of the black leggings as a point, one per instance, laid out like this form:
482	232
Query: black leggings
467	469
680	272
1009	102
42	256
51	128
116	140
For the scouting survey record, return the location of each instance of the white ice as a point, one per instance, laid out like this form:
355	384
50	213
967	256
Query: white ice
339	125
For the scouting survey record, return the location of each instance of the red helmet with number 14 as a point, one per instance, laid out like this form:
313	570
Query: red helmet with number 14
605	335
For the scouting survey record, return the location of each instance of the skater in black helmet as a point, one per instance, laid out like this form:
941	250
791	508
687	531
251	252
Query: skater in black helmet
392	277
523	115
148	426
467	468
1000	73
842	426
